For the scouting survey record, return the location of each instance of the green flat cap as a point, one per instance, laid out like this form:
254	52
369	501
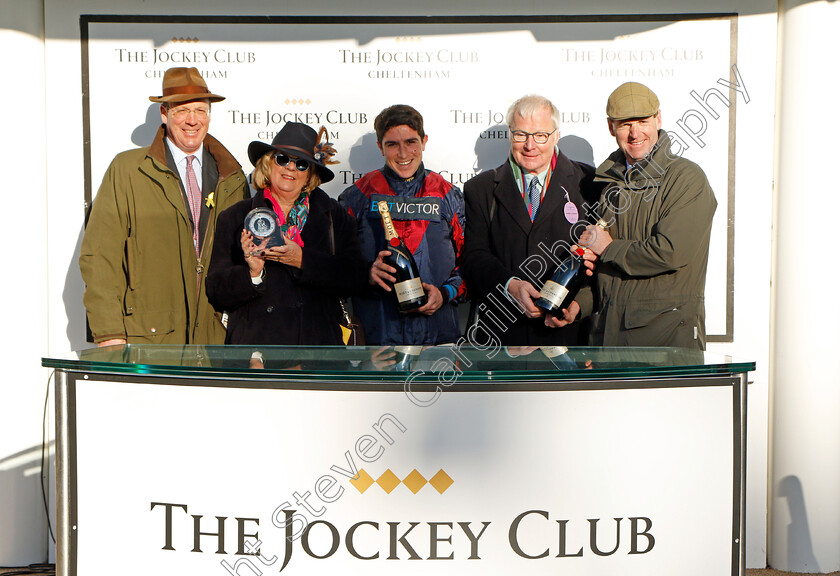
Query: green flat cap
632	100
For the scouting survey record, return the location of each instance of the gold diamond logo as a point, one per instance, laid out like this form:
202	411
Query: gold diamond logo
414	481
441	481
363	482
388	481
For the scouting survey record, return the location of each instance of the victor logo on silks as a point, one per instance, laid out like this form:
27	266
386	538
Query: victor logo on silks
407	208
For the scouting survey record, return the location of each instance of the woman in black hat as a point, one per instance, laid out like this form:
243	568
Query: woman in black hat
287	294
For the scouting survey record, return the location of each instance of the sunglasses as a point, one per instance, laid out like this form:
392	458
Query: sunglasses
283	160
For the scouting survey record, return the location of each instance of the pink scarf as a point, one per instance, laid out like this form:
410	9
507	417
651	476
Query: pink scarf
292	225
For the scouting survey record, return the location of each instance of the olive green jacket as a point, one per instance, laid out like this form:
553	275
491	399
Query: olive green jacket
143	280
651	279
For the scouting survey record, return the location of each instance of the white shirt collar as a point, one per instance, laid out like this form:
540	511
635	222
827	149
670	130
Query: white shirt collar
180	156
540	178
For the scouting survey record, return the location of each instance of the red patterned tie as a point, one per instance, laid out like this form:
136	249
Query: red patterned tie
194	196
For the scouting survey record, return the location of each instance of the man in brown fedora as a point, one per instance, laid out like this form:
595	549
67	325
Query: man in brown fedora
651	260
149	236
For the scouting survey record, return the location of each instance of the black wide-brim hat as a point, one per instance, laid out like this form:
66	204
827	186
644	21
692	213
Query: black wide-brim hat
298	140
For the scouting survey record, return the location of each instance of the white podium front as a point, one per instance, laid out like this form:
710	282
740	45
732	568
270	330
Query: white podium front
183	460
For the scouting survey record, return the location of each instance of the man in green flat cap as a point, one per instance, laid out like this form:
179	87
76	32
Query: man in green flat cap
651	260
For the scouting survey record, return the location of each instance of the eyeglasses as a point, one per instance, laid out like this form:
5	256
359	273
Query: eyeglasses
183	112
283	160
539	137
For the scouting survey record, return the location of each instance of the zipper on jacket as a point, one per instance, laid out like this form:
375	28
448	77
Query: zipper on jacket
199	270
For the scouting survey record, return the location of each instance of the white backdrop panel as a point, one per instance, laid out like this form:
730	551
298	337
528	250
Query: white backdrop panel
461	76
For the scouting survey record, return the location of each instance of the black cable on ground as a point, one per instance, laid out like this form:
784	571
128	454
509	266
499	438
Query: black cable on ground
45	569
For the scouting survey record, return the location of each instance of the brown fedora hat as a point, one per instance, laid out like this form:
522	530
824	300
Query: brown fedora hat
183	84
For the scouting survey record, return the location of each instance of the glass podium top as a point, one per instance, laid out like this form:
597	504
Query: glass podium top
397	363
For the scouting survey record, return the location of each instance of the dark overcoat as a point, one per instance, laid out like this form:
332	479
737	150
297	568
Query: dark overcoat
501	242
291	306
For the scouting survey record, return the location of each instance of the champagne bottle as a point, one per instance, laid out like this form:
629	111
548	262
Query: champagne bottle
559	356
560	290
408	289
405	356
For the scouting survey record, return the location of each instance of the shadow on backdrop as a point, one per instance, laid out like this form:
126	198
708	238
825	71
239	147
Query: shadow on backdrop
145	133
363	157
800	551
490	152
74	288
22	496
364	29
577	148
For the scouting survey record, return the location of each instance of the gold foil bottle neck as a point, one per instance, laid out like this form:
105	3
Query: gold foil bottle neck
390	232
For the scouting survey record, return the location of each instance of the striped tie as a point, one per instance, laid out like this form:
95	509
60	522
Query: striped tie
194	196
534	197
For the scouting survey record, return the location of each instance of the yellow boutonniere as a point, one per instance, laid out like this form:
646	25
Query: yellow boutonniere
211	202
